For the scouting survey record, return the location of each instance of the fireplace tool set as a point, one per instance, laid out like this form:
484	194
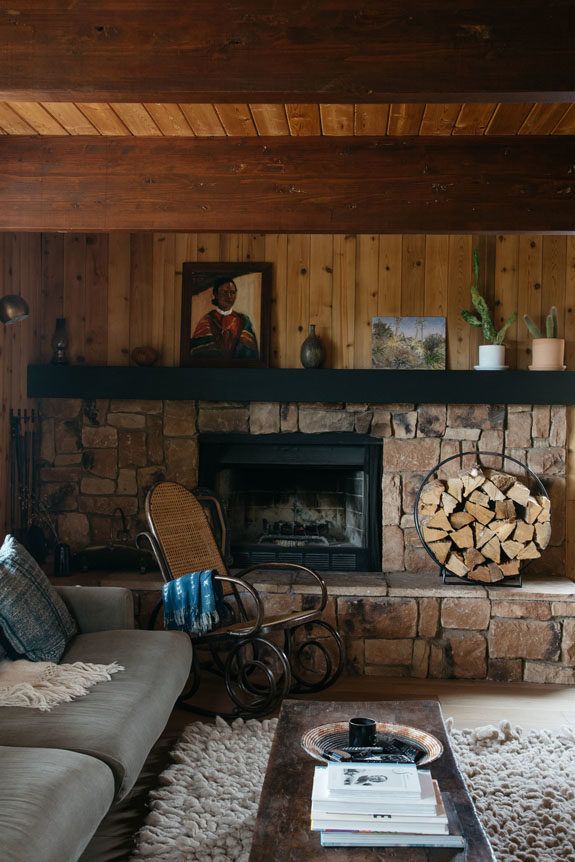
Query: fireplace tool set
25	438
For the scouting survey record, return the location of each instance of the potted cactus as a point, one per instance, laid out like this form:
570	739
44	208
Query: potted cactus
548	353
492	354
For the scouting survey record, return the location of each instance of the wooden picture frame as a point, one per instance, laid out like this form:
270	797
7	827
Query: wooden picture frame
212	295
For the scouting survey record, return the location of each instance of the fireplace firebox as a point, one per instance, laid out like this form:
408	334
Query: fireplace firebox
298	498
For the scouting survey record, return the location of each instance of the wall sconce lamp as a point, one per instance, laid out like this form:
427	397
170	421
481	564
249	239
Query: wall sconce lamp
13	308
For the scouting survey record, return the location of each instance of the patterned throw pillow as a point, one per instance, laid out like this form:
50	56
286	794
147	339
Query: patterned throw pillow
34	621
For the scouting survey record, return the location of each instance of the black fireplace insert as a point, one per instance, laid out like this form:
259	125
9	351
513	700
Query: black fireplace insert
313	499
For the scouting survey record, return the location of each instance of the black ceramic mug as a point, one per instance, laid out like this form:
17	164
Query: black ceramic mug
362	732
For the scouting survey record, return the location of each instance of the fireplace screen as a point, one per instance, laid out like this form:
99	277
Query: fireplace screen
298	501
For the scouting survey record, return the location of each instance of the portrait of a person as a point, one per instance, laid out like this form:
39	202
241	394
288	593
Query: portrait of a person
224	333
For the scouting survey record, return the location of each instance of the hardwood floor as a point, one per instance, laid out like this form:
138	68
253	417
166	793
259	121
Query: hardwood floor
470	703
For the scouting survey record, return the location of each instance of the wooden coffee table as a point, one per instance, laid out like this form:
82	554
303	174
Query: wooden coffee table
282	832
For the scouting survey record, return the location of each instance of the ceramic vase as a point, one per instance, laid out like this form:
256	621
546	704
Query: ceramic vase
312	352
548	354
491	357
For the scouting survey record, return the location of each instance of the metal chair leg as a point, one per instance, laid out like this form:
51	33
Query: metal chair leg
305	655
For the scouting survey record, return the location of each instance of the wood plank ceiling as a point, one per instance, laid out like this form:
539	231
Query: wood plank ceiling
247	120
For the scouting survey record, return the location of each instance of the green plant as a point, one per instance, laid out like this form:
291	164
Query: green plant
483	317
551	325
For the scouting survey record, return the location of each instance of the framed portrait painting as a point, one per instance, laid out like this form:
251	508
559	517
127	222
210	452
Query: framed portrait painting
226	312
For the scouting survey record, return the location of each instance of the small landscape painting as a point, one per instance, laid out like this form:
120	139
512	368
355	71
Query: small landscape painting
408	343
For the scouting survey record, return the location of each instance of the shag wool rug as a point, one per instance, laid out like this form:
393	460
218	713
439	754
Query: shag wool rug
522	784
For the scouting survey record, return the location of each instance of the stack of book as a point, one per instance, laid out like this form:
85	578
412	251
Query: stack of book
381	805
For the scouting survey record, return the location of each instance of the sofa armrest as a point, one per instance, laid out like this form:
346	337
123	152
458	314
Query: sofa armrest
99	609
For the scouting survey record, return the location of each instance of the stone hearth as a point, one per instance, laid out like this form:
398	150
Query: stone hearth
97	455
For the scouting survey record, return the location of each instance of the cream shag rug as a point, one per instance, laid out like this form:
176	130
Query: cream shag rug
522	784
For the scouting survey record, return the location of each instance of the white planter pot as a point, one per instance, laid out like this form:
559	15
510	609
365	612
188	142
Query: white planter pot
492	357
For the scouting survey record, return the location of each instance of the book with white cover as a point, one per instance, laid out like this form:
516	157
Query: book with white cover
408	823
324	803
372	780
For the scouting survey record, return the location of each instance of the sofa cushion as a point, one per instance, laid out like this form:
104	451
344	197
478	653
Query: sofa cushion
120	720
34	621
51	803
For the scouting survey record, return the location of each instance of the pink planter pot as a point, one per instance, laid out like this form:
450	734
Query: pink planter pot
548	354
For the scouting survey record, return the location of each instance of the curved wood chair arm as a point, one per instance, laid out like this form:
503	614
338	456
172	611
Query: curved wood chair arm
250	632
296	566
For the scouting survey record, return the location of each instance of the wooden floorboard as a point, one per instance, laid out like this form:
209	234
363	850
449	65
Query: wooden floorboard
471	703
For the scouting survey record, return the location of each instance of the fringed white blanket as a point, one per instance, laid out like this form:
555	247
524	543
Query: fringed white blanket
42	684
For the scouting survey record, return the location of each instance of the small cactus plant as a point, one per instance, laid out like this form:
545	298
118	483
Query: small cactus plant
551	325
483	316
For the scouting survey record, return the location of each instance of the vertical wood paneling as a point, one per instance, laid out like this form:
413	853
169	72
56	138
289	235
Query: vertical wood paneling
413	275
97	263
141	289
297	306
343	301
75	295
118	300
436	275
458	297
276	251
52	291
320	300
366	295
529	293
506	291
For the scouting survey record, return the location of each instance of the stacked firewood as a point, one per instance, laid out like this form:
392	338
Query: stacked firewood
483	527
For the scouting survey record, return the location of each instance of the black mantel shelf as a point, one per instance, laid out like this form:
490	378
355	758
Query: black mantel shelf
297	384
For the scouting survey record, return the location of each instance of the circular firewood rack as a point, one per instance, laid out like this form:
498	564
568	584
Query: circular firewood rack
448	577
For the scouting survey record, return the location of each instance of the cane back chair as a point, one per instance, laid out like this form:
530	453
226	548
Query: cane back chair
261	657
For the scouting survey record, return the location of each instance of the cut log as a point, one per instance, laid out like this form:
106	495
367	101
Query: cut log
448	502
523	532
427	510
492	550
532	511
492	490
529	552
482	535
544	515
456	565
440	521
473	558
432	492
455	488
502	529
502	481
479	497
460	519
479	513
463	538
470	483
433	535
505	510
511	568
519	493
441	550
511	548
487	574
543	534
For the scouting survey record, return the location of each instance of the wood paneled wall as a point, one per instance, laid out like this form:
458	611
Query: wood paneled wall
122	290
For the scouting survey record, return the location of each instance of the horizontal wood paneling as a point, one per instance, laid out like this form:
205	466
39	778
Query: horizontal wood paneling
121	290
344	184
240	51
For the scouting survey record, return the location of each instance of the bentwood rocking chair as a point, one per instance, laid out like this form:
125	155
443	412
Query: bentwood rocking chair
261	657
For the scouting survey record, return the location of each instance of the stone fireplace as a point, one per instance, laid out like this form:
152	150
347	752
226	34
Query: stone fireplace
97	455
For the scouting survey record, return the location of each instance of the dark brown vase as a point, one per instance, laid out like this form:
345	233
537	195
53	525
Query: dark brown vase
312	352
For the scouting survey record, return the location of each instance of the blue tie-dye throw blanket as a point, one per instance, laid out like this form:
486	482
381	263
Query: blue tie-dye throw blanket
190	603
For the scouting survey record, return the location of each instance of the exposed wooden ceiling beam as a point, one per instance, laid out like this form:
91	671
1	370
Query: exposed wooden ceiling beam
293	51
335	184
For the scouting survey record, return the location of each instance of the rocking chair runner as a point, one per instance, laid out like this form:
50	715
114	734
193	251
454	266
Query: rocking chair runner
258	673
